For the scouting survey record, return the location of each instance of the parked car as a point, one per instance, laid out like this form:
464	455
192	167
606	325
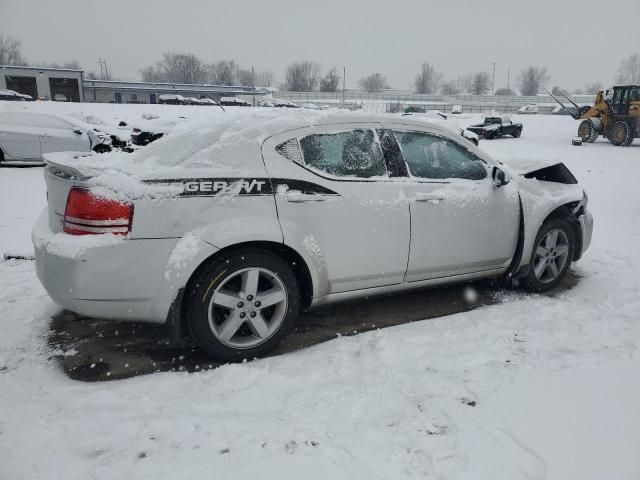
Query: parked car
531	109
171	99
285	104
12	96
233	102
494	127
456	109
229	238
26	136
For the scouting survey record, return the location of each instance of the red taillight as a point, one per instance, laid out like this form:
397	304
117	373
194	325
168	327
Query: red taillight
89	214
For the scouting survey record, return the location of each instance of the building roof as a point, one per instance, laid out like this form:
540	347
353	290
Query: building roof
25	67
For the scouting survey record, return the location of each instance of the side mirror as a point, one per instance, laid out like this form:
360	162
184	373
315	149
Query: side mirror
77	130
500	177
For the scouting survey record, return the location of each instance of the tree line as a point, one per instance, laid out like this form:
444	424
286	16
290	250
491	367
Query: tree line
307	76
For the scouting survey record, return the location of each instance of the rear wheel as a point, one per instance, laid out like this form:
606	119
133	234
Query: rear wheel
587	131
622	133
242	304
552	255
517	133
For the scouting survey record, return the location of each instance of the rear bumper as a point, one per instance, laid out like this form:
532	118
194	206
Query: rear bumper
116	280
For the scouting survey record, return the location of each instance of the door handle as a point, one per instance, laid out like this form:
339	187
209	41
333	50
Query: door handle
297	196
434	198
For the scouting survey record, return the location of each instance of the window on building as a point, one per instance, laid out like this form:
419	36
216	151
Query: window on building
152	98
118	97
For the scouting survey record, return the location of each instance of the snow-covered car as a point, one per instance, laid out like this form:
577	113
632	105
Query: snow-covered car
229	229
234	102
26	136
531	109
13	96
456	109
285	104
497	126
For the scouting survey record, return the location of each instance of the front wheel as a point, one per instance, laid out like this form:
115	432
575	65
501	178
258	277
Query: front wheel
517	133
552	255
242	304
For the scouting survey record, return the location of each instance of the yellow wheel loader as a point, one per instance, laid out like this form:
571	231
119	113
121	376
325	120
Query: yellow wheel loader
615	114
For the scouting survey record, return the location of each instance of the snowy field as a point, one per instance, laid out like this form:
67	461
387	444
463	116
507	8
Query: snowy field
534	387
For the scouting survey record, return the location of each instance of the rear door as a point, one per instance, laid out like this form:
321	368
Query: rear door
461	222
337	200
19	136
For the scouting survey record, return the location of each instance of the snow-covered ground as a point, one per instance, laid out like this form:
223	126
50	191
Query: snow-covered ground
532	387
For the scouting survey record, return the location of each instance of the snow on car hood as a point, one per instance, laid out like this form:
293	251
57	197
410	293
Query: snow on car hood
522	166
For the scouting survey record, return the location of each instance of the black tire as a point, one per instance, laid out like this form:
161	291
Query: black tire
102	148
587	132
541	283
517	133
1	156
622	133
222	271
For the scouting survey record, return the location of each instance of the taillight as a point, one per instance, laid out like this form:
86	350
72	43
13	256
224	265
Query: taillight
89	214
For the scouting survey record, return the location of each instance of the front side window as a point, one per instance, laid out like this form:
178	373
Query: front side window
355	153
430	156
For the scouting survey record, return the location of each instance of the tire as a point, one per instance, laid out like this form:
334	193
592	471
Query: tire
622	133
230	324
550	259
102	148
1	156
587	132
517	133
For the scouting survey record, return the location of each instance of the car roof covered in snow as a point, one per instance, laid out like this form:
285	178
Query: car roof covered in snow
222	142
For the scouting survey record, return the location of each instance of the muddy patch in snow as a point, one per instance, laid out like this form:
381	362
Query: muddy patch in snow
93	350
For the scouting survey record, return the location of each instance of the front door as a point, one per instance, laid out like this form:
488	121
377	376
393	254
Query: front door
461	222
337	201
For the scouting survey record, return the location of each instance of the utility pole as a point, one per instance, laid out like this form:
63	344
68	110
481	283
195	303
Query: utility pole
344	82
508	79
493	77
253	85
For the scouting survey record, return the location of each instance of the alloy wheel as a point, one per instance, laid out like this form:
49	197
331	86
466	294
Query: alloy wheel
247	308
551	257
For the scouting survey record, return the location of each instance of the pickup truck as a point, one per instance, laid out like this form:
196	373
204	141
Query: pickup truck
496	127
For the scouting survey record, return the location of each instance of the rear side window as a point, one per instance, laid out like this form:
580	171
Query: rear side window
33	120
430	156
355	153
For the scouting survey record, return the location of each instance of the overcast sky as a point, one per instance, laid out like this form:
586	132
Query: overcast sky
579	41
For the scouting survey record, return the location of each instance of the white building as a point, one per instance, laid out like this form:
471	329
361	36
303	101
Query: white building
61	84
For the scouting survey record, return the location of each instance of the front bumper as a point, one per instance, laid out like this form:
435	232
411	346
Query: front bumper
114	281
586	227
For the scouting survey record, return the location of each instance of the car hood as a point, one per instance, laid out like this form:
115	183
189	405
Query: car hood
522	166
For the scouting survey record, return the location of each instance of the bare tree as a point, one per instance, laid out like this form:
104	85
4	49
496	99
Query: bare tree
466	82
264	79
302	76
330	81
556	90
504	92
10	51
176	68
450	88
245	77
480	84
373	83
531	80
428	79
629	70
222	73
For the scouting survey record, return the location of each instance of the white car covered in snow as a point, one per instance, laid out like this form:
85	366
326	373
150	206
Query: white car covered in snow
27	136
229	229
